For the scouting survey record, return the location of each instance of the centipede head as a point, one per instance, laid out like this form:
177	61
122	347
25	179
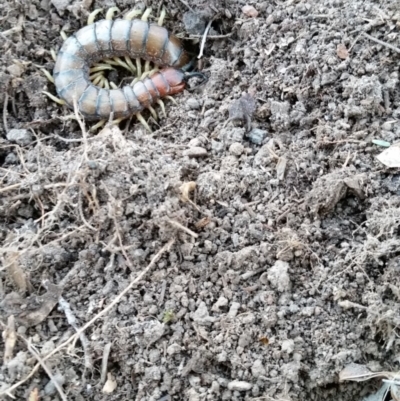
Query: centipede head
175	79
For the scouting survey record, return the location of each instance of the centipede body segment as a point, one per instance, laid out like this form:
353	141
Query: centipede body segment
106	39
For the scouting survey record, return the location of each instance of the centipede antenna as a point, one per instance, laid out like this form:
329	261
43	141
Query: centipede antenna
92	16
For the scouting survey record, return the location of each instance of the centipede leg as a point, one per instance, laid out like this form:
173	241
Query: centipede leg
63	35
143	122
146	14
92	16
98	125
54	98
162	16
132	14
153	112
162	105
138	67
53	55
111	11
172	100
48	75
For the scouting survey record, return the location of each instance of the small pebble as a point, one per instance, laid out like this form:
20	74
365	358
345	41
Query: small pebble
257	135
193	103
195	151
236	148
21	137
238	385
279	277
249	11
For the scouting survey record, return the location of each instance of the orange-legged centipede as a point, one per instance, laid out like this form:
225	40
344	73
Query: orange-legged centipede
107	39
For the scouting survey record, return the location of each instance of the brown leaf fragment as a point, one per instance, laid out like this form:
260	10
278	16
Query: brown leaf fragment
342	51
249	11
15	272
10	339
185	189
32	310
203	222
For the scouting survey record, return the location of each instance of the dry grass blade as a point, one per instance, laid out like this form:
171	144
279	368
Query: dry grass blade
10	339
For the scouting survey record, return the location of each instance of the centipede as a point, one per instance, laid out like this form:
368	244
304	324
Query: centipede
112	39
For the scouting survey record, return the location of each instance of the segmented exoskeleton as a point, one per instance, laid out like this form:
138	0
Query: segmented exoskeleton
116	38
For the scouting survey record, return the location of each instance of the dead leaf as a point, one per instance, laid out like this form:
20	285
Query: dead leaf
34	395
342	51
10	339
185	189
203	222
34	309
110	384
390	157
15	272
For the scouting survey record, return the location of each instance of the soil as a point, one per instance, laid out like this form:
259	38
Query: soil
246	249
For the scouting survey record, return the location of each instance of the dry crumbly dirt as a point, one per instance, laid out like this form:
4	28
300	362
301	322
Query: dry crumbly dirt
284	263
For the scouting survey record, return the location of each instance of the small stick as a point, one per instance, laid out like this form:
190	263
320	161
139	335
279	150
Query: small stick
47	370
104	363
227	35
187	5
203	41
5	112
95	318
66	308
381	42
183	228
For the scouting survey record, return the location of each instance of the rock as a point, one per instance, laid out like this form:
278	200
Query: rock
195	151
50	388
21	137
257	135
278	276
237	385
236	148
249	11
222	301
288	346
233	309
193	103
258	368
201	315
